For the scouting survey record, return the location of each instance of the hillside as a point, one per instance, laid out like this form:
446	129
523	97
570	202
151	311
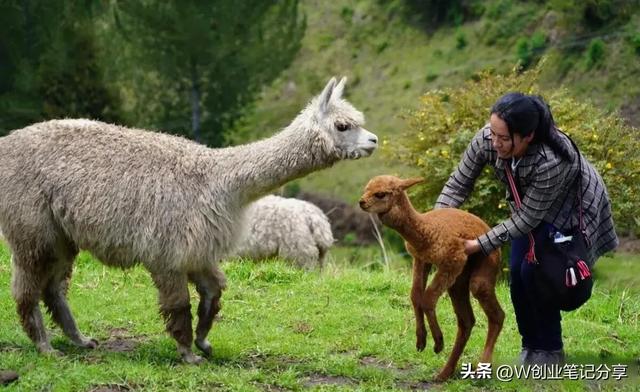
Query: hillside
390	60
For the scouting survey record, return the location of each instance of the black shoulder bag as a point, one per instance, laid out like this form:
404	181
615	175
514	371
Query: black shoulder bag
562	276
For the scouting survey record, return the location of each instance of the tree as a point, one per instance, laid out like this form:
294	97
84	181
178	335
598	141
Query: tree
204	60
49	64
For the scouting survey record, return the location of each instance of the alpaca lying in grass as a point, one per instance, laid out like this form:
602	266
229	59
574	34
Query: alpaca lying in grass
131	196
292	229
436	238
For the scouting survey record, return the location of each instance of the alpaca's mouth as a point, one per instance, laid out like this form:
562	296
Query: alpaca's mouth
369	150
362	152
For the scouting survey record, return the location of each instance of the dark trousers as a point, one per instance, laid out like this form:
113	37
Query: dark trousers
538	324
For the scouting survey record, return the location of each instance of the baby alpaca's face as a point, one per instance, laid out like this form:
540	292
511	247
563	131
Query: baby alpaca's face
382	192
379	194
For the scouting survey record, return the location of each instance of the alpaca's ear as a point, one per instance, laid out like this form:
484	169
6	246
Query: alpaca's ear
339	89
325	95
408	183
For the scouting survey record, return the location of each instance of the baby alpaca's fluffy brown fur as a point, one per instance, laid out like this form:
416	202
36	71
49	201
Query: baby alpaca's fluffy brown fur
437	238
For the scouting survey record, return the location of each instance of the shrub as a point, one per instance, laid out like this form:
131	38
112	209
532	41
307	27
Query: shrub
347	14
595	52
461	40
523	52
635	42
439	130
529	50
538	42
431	76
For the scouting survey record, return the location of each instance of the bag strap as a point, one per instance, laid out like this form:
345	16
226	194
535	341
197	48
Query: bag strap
583	228
531	254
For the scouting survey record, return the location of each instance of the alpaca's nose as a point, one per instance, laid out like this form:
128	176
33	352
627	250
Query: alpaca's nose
373	140
362	203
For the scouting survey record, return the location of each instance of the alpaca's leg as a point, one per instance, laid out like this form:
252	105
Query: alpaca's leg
173	296
322	253
442	280
483	288
420	272
459	294
209	284
54	297
304	254
26	286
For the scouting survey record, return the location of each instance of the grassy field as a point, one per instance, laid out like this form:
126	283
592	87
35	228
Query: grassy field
349	327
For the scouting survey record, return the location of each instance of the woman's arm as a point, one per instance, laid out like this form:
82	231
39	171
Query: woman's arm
548	182
462	180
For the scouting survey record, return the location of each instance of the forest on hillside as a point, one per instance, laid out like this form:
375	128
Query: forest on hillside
197	67
184	67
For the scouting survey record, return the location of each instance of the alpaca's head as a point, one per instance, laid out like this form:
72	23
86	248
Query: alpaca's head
383	193
338	125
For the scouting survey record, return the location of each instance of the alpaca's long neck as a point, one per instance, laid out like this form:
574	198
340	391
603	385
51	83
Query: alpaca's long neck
258	168
409	223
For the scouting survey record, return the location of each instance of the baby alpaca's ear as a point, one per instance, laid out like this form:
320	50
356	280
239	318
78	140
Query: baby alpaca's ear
408	183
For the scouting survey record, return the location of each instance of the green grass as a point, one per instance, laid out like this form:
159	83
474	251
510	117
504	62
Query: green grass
349	327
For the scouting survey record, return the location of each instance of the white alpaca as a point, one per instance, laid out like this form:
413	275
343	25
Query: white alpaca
292	229
131	196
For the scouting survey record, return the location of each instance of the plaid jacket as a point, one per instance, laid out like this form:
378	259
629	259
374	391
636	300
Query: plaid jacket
548	189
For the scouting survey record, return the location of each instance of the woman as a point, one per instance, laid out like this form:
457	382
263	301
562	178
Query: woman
522	135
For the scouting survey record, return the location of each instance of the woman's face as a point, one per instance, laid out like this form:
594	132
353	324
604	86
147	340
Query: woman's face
502	142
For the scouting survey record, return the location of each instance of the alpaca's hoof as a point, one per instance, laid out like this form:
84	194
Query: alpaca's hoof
444	375
89	343
205	347
438	345
192	359
47	350
441	378
421	343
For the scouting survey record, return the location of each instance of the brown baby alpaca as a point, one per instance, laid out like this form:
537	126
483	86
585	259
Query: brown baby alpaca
437	238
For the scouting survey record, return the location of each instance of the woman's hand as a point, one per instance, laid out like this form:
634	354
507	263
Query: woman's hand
471	246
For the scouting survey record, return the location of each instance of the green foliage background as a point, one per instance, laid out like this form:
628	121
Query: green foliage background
188	67
446	120
191	67
129	62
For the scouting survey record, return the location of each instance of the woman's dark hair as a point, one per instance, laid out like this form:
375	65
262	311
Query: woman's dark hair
525	114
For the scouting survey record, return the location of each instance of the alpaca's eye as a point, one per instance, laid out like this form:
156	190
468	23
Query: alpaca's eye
342	127
380	195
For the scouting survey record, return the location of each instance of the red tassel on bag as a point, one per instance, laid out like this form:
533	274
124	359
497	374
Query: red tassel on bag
531	254
584	269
